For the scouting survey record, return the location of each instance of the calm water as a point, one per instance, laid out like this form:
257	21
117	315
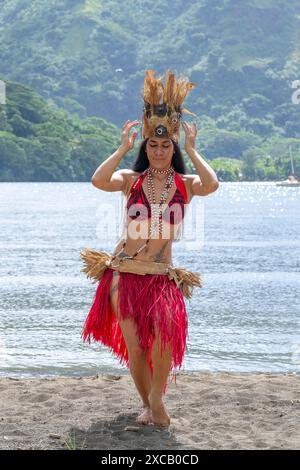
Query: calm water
246	318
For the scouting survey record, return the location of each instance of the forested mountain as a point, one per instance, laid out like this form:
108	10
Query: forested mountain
39	142
89	57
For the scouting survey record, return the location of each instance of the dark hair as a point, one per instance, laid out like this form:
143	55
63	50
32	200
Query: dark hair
141	162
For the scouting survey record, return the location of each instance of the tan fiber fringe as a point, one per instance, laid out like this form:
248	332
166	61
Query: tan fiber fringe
94	262
187	280
95	265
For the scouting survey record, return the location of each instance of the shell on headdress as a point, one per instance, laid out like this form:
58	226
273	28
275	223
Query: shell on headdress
162	104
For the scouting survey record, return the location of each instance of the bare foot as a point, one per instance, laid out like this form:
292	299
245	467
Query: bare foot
159	412
145	417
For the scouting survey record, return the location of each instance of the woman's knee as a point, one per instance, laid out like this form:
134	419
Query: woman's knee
161	348
137	355
132	342
127	325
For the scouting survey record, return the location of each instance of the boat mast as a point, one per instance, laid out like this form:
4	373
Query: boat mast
292	161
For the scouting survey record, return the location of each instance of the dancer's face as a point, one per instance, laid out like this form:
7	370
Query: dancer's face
159	152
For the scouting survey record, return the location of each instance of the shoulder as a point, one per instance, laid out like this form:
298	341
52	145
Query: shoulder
188	182
187	178
130	177
196	188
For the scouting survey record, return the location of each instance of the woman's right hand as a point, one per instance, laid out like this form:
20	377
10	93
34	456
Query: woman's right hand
128	143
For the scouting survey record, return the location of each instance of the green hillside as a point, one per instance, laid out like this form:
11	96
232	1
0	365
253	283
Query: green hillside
89	58
39	142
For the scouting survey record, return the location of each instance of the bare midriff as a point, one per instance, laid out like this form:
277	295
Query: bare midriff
158	249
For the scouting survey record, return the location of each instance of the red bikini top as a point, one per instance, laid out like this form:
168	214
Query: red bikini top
141	209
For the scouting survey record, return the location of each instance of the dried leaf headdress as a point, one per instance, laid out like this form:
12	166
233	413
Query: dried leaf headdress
162	105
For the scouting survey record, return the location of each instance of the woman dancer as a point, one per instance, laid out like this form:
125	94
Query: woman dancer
138	308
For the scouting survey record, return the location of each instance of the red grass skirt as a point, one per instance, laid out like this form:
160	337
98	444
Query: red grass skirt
153	301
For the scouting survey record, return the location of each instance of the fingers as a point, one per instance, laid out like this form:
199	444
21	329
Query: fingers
185	124
126	132
188	128
127	139
128	124
134	134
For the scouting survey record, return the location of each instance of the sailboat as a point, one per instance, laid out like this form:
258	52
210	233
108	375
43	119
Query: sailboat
292	179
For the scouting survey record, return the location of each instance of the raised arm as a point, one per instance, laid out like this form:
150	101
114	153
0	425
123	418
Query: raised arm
105	177
206	181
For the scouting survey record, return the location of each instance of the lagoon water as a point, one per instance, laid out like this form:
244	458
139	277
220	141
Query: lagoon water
246	245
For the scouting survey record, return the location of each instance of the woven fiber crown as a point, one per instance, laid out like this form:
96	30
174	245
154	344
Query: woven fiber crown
162	109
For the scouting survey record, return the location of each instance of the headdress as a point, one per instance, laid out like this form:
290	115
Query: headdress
162	105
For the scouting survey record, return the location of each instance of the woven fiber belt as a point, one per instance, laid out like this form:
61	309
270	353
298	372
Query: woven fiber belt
97	261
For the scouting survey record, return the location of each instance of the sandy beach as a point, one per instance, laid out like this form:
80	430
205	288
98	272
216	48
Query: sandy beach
208	411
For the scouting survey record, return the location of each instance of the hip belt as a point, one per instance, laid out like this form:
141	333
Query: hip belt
96	262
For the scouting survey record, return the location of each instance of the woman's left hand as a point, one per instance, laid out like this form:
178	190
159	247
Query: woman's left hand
190	136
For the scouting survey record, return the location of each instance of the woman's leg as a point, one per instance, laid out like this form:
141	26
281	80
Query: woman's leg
139	367
161	369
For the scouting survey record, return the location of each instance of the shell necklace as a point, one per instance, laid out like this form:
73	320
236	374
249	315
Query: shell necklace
161	172
156	212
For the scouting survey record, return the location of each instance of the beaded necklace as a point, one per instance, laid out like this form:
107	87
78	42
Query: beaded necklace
156	211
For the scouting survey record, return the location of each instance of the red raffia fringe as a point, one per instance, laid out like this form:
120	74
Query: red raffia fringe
155	304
